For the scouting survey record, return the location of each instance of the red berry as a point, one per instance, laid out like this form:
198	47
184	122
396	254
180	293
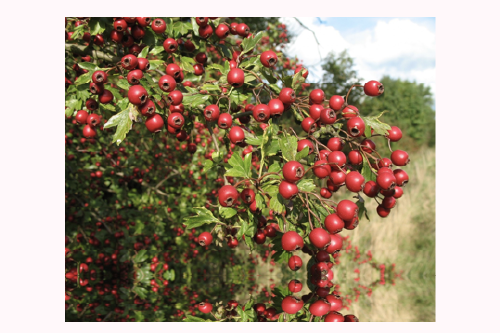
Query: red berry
400	158
335	144
89	131
309	125
130	62
350	111
293	171
222	31
320	238
148	108
395	134
276	107
154	123
261	113
355	157
319	308
81	117
347	210
338	159
268	59
294	263
205	307
328	116
170	45
291	241
175	97
315	111
287	95
389	202
205	238
373	88
368	146
301	144
236	135
292	304
288	190
247	196
382	211
211	112
295	286
225	121
322	171
205	31
317	96
236	77
386	180
137	95
99	77
355	126
334	224
336	102
401	177
198	69
334	317
176	120
335	243
354	181
167	83
350	318
371	189
243	30
173	70
134	76
228	195
159	26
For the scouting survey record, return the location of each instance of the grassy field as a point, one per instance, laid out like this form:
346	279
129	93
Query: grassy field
407	238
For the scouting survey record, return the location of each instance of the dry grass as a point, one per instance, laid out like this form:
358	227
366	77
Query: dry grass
407	238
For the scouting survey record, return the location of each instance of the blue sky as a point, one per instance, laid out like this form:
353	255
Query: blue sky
401	47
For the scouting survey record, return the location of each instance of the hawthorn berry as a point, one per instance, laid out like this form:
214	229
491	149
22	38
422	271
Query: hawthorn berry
268	59
292	241
228	195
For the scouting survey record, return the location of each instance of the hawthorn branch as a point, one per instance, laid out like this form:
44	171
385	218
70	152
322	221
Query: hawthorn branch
83	50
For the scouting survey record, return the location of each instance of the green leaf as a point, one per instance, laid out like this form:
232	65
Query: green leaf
362	209
298	79
195	26
88	66
277	203
72	104
122	104
253	140
302	154
123	123
216	67
96	26
243	230
239	168
367	171
190	318
248	62
260	201
187	64
123	84
203	216
155	64
227	212
268	74
288	146
376	124
149	37
306	185
207	164
275	88
210	87
85	78
249	43
141	256
144	52
157	50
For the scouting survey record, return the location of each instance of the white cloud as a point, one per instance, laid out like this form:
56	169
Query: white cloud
399	48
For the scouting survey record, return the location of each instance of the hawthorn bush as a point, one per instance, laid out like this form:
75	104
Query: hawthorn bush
189	137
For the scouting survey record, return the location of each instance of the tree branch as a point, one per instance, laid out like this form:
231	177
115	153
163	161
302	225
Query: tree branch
83	50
